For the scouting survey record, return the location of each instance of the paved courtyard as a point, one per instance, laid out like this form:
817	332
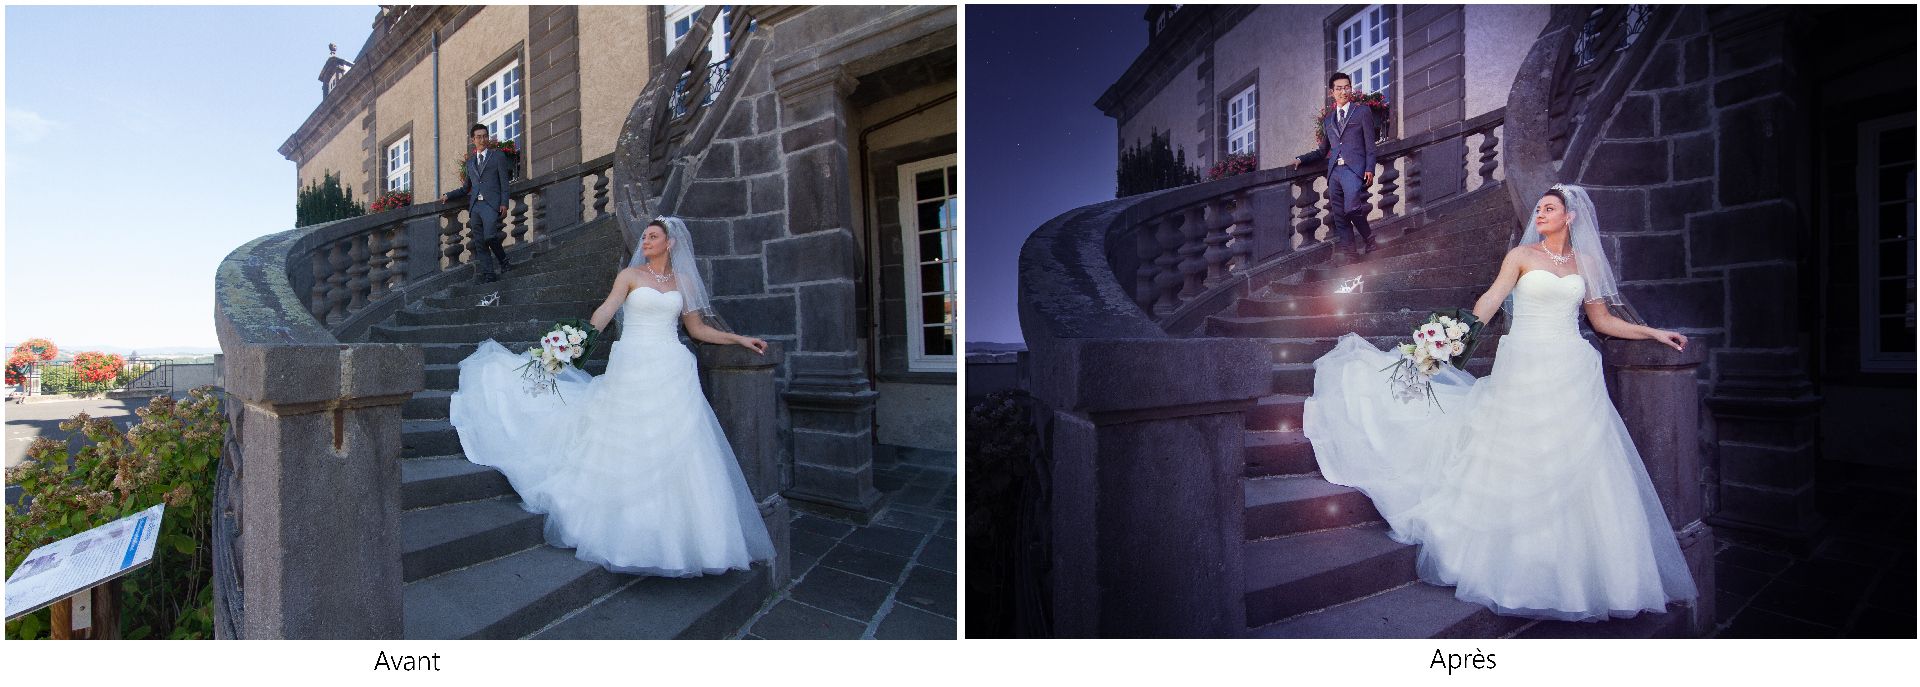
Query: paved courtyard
1854	580
891	579
29	421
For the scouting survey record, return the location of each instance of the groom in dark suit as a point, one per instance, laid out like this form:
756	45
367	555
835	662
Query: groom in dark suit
1348	143
488	174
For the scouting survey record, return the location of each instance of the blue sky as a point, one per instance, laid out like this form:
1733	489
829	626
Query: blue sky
140	150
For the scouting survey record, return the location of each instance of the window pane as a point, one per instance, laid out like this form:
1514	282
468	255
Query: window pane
929	219
928	185
933	309
953	180
930	245
1895	219
939	340
1893	295
1894	181
1896	145
1896	336
949	214
933	278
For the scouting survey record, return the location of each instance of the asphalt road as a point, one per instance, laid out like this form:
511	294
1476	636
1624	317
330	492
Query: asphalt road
28	421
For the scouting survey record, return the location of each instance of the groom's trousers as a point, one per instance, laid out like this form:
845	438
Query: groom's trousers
486	220
1346	209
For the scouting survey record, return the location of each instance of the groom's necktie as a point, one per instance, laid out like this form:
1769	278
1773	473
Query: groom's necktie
1340	121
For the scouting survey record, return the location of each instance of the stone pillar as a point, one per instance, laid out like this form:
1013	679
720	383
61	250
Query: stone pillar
319	430
739	384
1763	403
829	396
1654	389
1147	503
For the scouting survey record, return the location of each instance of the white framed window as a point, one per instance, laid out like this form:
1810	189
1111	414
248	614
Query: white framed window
929	227
1242	117
679	20
400	164
1363	43
497	101
1885	183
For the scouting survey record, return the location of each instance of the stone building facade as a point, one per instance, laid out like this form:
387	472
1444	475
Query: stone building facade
823	211
1250	78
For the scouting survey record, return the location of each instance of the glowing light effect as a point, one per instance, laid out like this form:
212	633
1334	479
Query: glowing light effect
1351	285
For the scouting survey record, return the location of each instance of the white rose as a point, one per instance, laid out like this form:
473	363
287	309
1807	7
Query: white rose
575	338
1457	348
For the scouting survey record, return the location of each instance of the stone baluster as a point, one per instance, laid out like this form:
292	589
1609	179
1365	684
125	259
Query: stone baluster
450	242
1489	152
1168	279
1413	182
1193	248
357	282
337	296
1240	234
1218	218
540	228
397	252
602	180
317	295
377	261
1146	247
517	228
1389	187
1306	222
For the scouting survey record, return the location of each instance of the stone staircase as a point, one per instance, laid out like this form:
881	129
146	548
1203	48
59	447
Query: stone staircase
475	564
1317	557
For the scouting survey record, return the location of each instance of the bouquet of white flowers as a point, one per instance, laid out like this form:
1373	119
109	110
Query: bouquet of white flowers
568	343
1446	338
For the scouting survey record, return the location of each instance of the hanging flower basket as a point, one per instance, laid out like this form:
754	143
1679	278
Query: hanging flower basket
392	200
1235	164
1382	116
41	349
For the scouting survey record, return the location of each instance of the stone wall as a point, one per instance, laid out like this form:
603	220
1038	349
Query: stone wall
615	60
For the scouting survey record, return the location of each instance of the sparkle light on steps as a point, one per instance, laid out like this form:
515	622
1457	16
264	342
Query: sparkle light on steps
1351	285
490	299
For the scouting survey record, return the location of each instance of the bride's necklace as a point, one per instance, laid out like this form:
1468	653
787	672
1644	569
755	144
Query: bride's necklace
1557	258
658	278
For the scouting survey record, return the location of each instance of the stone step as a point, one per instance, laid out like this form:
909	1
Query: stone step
446	378
430	404
435	540
1281	506
1437	277
1292	377
1309	349
428	438
705	607
453	353
1401	323
549	312
526	330
1292	575
1414	611
468	296
1469	248
1426	300
440	480
1279	453
505	598
1279	412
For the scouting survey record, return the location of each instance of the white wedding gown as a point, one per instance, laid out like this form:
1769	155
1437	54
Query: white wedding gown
1523	490
630	467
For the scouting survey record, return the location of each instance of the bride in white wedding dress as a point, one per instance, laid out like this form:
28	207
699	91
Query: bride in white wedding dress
1526	493
630	467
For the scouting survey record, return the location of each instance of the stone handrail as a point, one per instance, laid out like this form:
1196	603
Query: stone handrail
1193	248
314	438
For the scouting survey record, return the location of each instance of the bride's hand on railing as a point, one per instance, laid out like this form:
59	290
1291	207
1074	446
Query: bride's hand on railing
1675	339
753	344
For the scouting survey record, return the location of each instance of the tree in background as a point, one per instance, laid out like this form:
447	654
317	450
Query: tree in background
325	201
1153	167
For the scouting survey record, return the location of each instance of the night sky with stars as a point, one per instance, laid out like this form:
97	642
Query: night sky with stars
1036	145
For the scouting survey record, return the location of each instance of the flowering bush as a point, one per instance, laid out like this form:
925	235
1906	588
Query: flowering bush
95	367
1235	164
392	200
17	365
41	349
169	457
1375	101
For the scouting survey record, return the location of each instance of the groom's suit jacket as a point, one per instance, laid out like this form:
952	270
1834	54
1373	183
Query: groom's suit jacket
487	181
1352	142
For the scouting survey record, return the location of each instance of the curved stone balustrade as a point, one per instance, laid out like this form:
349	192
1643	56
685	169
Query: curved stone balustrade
1195	249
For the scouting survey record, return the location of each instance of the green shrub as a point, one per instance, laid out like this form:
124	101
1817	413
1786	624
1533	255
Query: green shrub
170	457
324	201
62	379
